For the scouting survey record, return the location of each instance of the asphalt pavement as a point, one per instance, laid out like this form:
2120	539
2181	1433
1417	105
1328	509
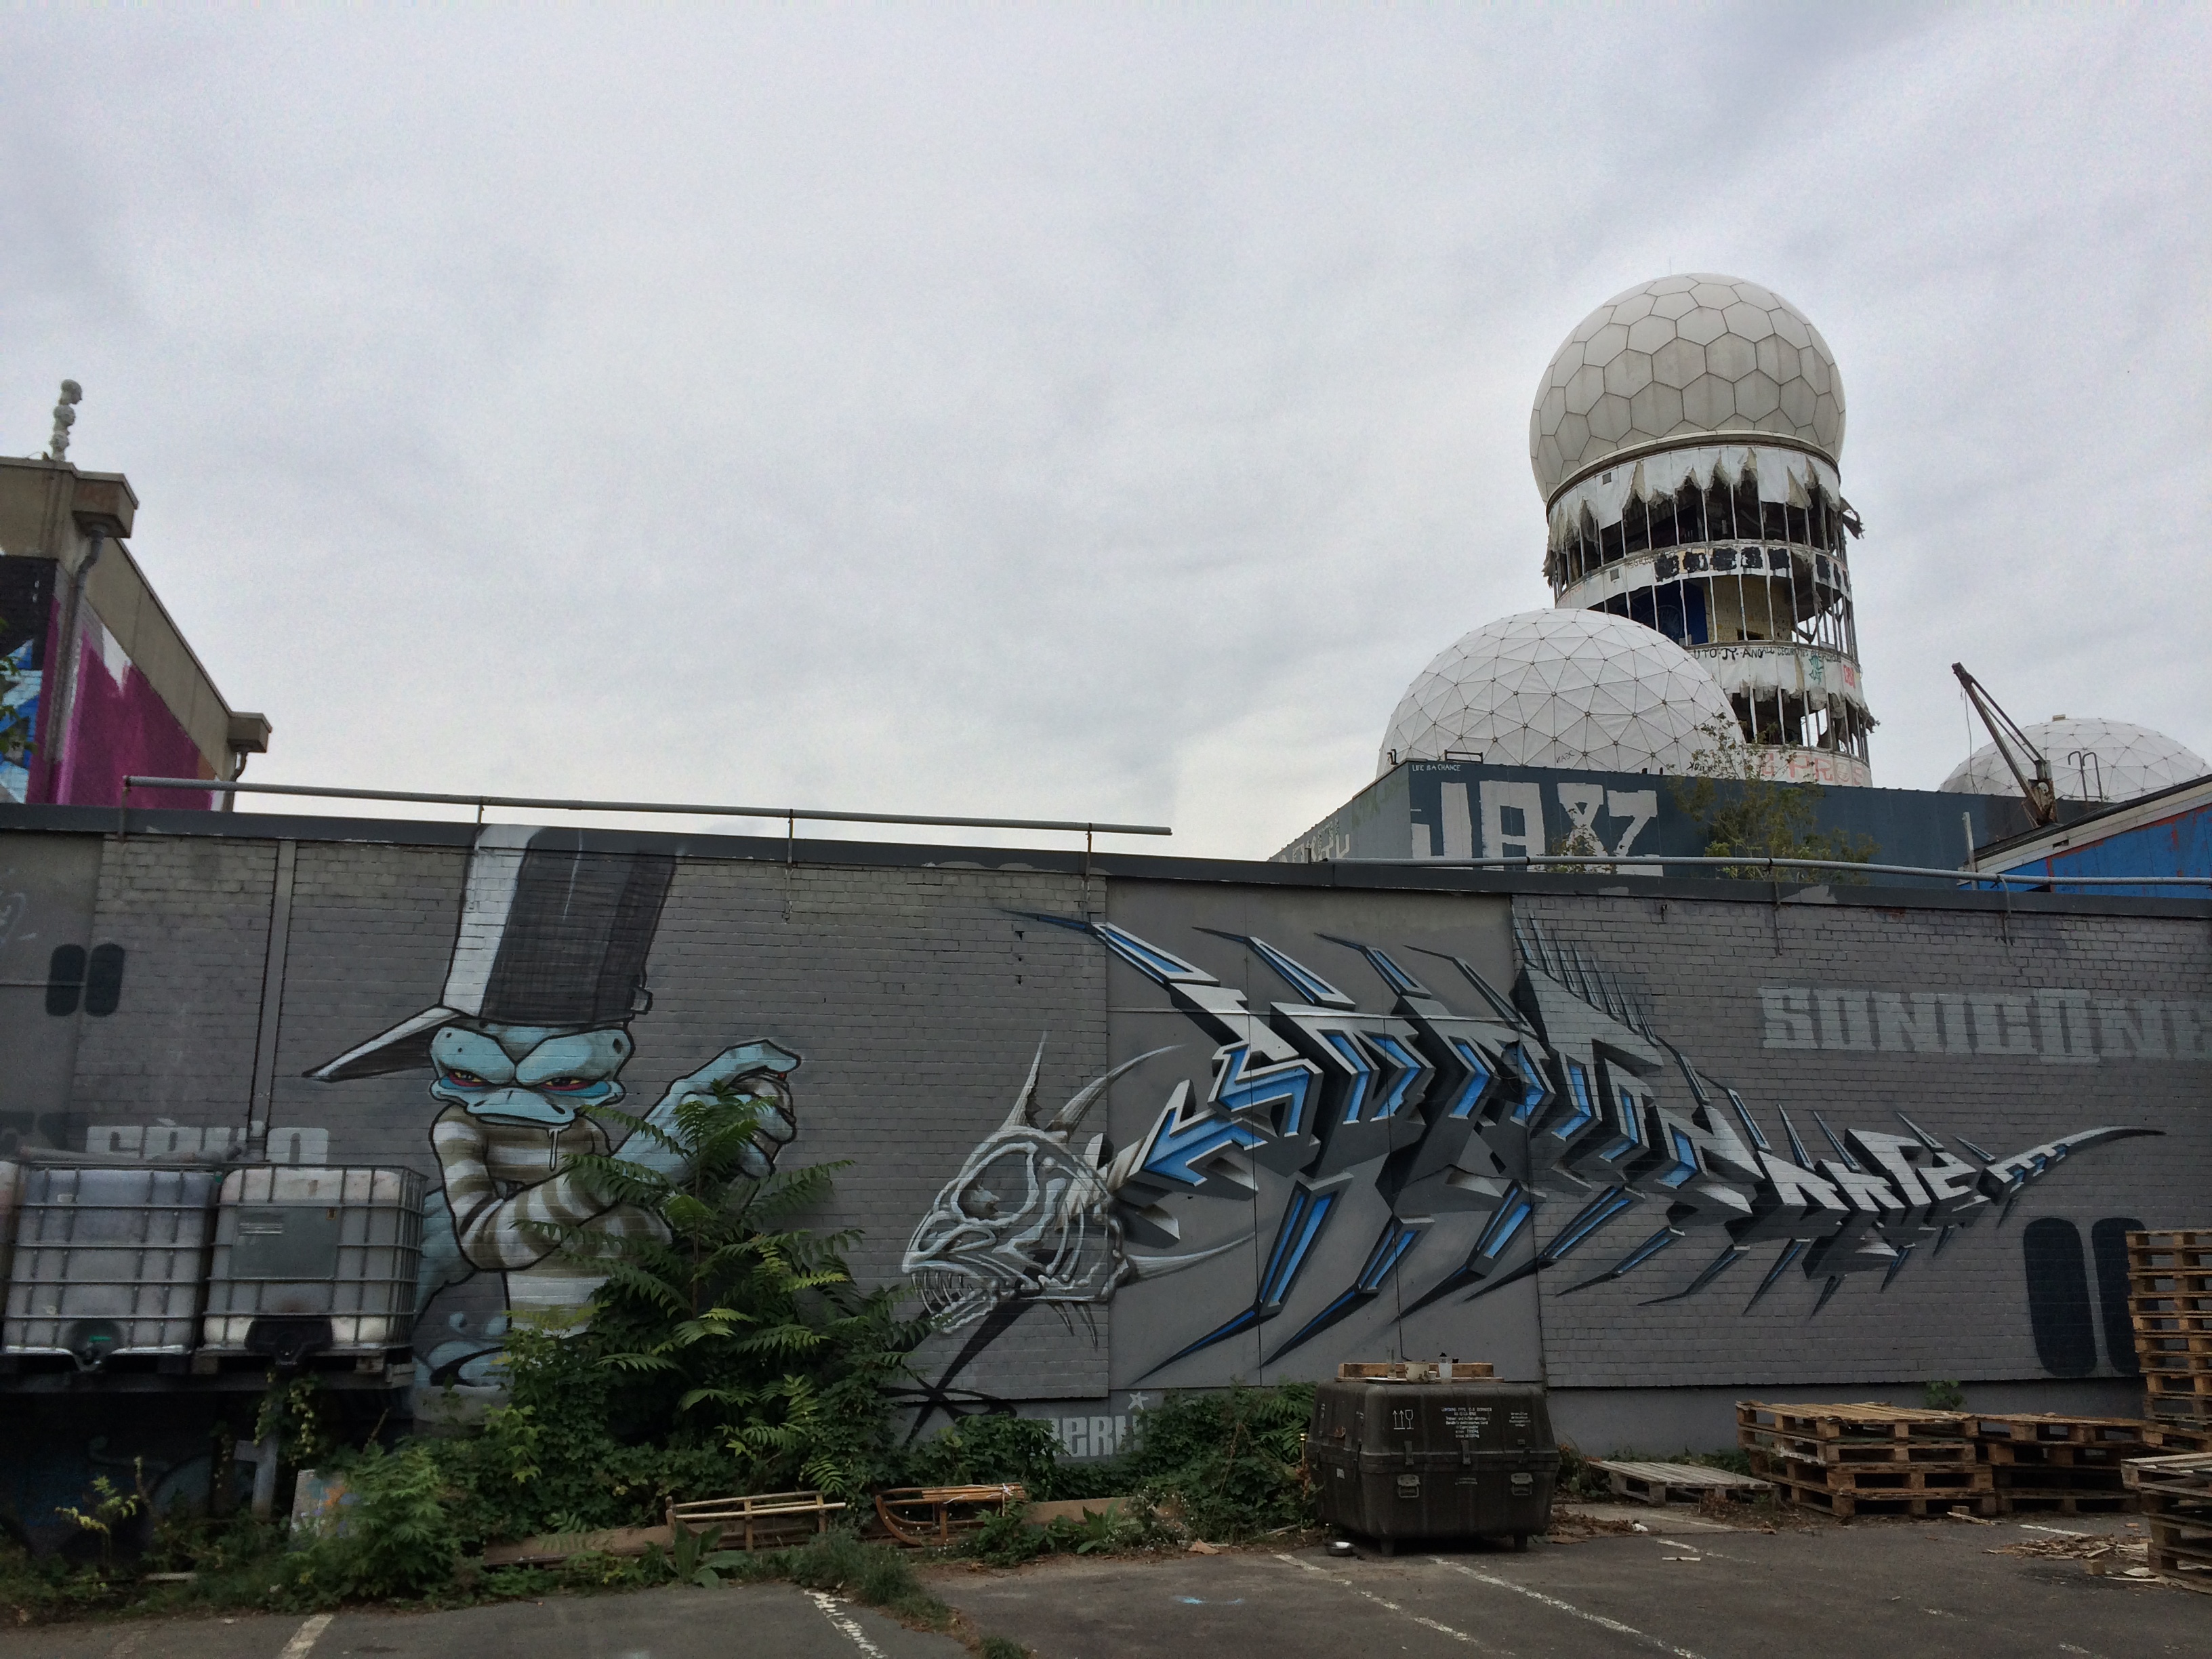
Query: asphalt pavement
1864	1591
1685	1588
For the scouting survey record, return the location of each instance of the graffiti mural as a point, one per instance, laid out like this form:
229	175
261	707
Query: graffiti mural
1561	1093
527	1041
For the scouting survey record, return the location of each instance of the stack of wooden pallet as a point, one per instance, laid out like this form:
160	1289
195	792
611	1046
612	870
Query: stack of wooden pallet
2170	1300
2177	1500
2072	1465
1868	1459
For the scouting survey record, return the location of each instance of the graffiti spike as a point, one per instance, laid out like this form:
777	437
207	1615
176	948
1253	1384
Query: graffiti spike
1629	1263
1299	977
1392	1246
1986	1157
1743	1115
1826	1291
1306	1218
1729	1256
1941	1239
1797	1144
1904	1255
1025	1098
1921	1135
1850	1163
1079	1102
1587	1221
1500	1282
1791	1249
1501	1004
1393	975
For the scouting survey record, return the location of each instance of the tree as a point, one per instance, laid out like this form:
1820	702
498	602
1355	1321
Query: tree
733	1326
1744	812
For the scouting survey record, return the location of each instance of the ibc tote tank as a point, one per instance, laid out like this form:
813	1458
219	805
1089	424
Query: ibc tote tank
313	1260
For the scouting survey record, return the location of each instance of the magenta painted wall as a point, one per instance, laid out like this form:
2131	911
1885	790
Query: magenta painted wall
118	727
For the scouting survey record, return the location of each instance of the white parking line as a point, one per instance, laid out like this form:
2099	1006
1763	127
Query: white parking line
1384	1602
1553	1602
304	1639
829	1606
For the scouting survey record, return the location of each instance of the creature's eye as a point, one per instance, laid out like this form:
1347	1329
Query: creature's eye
563	1086
981	1205
461	1079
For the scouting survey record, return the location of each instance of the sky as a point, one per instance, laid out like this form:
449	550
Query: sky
1093	413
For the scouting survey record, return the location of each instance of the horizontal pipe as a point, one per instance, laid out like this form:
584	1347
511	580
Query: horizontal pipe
216	787
1659	860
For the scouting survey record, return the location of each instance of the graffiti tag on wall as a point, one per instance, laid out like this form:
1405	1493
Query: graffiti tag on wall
1559	1092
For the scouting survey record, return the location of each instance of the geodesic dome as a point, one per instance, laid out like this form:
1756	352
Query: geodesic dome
1690	356
2129	761
1560	688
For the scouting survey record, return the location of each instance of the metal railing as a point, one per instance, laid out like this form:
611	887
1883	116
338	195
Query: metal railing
791	816
1659	861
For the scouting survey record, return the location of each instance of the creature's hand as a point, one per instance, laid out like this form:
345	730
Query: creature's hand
759	1069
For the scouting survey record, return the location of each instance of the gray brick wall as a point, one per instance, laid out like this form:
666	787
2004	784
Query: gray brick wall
1700	967
917	995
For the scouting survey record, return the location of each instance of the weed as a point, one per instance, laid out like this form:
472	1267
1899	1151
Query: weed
1000	1647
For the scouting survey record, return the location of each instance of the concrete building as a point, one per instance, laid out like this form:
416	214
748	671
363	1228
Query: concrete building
97	683
1686	438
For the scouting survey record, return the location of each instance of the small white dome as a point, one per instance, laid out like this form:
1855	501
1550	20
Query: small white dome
2129	761
1684	356
1561	688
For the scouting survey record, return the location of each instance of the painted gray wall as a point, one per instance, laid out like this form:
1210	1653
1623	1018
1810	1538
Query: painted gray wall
917	994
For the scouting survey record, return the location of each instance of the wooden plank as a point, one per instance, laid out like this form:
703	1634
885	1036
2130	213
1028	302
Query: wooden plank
544	1549
1932	1454
2177	1437
1866	1421
1660	1483
2053	1428
1875	1480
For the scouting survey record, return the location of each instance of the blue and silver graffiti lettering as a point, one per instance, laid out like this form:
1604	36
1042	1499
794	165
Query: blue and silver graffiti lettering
1561	1090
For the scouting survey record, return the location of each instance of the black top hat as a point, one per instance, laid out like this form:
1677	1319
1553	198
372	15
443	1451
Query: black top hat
549	935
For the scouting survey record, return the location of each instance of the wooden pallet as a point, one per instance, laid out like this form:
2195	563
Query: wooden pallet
1860	1454
2178	1480
1843	1504
2051	1429
1873	1481
2171	1439
1871	1421
1668	1483
2033	1460
756	1517
1415	1371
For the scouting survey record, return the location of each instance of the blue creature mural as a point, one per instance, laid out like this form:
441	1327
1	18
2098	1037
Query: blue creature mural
526	1043
1560	1092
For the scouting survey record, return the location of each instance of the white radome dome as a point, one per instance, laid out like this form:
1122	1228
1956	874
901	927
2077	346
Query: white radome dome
2131	761
1578	688
1684	355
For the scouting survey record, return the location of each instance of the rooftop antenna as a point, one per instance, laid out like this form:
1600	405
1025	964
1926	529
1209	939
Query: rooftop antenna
64	418
2030	768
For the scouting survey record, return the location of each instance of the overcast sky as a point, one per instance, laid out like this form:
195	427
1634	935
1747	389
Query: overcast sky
1049	411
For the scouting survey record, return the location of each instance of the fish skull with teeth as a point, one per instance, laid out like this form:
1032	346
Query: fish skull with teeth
1029	1218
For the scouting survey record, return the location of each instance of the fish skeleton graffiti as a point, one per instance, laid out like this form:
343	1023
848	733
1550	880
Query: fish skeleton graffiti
1560	1092
528	1040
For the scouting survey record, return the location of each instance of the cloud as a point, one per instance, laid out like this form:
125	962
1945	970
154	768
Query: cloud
1099	413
